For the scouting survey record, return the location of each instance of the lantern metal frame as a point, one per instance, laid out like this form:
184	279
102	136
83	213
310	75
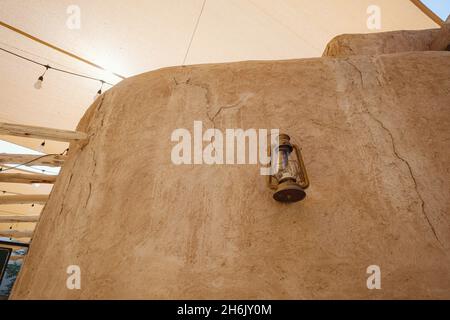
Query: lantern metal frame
289	190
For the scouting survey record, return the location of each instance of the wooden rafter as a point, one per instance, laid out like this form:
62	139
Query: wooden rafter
19	130
27	178
31	160
24	199
16	233
18	218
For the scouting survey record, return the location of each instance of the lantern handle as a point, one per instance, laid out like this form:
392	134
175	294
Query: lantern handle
269	178
303	175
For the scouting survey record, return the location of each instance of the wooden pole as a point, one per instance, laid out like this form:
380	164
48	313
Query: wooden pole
49	160
20	130
24	199
16	233
27	178
15	219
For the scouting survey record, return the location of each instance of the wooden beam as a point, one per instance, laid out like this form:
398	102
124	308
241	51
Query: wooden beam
17	218
20	169
24	199
19	130
16	233
27	178
49	160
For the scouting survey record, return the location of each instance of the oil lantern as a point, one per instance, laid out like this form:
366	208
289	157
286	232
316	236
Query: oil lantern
288	176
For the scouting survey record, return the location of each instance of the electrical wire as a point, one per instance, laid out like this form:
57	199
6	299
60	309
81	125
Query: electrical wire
38	57
33	160
194	32
54	68
49	45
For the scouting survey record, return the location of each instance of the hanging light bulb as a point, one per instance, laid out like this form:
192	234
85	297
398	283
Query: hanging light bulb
41	147
38	83
99	92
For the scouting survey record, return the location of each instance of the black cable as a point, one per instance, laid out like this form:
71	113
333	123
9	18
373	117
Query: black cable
53	68
194	32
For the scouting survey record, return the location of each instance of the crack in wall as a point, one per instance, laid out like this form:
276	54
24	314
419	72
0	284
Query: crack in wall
94	154
89	195
102	121
65	192
396	153
408	165
94	160
237	104
97	112
207	94
357	69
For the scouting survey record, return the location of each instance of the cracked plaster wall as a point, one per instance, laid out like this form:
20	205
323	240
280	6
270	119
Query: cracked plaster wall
375	134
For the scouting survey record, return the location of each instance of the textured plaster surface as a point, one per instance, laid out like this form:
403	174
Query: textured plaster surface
375	135
384	43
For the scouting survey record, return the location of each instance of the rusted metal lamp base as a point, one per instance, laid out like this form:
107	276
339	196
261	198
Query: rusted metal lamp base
289	191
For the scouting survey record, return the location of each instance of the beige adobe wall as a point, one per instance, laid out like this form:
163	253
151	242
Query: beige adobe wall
375	132
381	43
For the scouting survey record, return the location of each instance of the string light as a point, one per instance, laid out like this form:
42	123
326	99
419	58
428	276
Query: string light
40	80
38	83
41	147
99	92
